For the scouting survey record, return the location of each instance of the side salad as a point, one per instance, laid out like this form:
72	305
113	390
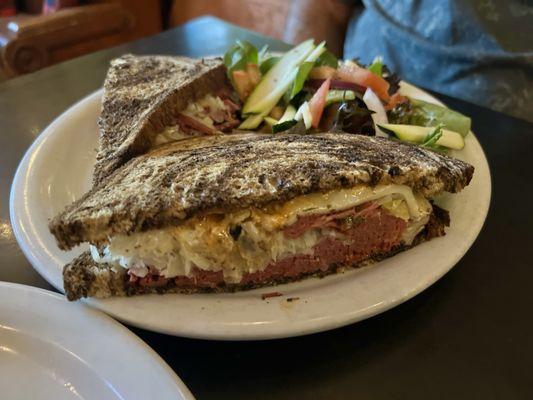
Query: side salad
308	89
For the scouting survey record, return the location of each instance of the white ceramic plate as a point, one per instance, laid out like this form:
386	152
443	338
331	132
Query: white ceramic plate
57	169
50	349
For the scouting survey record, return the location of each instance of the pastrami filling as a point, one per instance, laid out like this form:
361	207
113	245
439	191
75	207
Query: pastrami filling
367	230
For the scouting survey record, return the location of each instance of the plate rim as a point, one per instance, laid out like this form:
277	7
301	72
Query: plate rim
304	326
18	232
101	320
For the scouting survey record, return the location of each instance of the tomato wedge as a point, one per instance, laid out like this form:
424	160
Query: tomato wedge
360	76
318	102
253	72
243	84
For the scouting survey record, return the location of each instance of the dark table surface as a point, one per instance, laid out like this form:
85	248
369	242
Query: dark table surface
469	336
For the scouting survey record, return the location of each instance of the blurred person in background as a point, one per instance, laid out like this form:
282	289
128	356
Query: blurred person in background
477	50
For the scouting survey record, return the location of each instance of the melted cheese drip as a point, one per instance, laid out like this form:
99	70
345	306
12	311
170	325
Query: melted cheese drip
320	203
206	242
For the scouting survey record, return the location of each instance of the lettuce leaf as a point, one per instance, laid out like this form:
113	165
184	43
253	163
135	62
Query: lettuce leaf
376	67
240	54
298	84
422	113
433	137
327	58
262	53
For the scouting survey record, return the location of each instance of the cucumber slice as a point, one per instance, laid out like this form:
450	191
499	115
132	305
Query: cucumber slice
304	113
283	126
252	122
277	80
286	121
417	134
289	113
271	121
337	96
317	52
303	72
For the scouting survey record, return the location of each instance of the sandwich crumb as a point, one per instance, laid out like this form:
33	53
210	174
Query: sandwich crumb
265	296
291	299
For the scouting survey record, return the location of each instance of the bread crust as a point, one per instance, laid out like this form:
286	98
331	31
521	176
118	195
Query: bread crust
142	95
228	172
85	278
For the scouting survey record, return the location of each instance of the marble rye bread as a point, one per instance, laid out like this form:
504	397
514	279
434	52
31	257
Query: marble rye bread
142	94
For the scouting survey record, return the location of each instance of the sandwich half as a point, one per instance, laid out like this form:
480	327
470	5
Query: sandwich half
232	212
149	100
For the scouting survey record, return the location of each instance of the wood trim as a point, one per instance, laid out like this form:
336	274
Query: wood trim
31	40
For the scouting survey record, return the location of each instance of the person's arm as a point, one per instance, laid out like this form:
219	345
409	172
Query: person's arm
320	19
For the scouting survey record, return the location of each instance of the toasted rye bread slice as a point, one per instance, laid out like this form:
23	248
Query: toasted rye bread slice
83	277
142	94
228	172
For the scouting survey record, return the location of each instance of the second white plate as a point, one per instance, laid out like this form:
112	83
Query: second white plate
57	170
50	349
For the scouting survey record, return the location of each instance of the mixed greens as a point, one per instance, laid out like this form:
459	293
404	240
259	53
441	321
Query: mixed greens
422	113
308	90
